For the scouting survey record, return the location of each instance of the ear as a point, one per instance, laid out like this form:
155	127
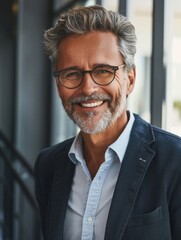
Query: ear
131	80
54	68
57	85
57	82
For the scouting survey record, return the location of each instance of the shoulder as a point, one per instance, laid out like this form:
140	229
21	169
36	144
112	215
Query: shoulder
165	137
55	150
165	145
168	149
45	162
156	134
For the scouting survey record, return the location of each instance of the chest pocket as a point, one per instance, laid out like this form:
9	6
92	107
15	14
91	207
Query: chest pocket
149	226
146	219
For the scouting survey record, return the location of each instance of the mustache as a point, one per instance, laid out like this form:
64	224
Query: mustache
93	96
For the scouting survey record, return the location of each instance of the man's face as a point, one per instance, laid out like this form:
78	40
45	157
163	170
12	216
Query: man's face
91	106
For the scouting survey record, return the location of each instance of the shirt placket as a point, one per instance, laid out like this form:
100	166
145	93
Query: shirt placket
93	202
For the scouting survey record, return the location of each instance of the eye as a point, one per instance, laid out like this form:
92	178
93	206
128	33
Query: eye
71	74
103	71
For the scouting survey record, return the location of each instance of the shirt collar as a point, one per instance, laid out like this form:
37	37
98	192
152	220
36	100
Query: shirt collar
76	150
119	146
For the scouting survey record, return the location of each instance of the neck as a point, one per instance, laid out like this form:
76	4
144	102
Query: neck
95	145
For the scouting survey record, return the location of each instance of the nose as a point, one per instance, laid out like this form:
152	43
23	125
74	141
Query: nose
88	86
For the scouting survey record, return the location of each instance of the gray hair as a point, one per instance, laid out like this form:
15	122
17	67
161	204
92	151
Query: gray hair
83	20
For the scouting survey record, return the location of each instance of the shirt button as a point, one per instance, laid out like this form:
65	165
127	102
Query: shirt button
90	220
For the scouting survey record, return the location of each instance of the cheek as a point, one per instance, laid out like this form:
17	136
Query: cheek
116	88
118	81
64	93
119	91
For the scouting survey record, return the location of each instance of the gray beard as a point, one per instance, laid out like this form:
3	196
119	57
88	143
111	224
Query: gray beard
108	118
97	127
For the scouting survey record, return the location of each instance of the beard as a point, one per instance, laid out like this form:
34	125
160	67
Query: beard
87	122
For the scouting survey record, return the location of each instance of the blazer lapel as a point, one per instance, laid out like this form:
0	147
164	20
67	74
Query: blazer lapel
60	194
134	166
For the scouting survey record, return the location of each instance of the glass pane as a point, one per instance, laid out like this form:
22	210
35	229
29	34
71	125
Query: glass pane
173	66
140	14
110	5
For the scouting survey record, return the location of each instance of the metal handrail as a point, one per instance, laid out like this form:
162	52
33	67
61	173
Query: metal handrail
16	153
20	181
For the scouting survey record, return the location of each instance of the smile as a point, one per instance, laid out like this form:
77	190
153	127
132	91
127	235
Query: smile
92	104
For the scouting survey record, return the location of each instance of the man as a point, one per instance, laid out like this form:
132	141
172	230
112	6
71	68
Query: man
120	178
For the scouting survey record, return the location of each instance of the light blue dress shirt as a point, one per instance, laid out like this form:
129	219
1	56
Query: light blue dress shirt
90	199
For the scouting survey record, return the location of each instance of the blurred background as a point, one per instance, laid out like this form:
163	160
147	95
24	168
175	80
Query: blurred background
31	116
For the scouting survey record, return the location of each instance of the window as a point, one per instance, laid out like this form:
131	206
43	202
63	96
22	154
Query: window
173	66
140	14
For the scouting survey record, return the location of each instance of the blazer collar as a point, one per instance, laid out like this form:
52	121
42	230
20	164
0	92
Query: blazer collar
137	159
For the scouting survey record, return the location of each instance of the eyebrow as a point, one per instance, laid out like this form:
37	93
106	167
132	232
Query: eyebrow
78	68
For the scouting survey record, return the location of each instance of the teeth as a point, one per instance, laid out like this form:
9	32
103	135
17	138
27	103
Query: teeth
93	104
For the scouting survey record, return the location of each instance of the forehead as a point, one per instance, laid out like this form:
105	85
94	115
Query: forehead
92	47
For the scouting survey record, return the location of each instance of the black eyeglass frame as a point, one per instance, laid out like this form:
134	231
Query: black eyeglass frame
83	72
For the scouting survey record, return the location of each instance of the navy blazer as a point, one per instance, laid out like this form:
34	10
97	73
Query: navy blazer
146	203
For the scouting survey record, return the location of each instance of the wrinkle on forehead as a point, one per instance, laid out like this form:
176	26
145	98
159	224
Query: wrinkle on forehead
91	48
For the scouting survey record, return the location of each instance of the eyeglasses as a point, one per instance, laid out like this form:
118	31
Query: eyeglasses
72	77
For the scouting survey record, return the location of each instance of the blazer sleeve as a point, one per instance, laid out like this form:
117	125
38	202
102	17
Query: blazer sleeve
175	209
43	174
